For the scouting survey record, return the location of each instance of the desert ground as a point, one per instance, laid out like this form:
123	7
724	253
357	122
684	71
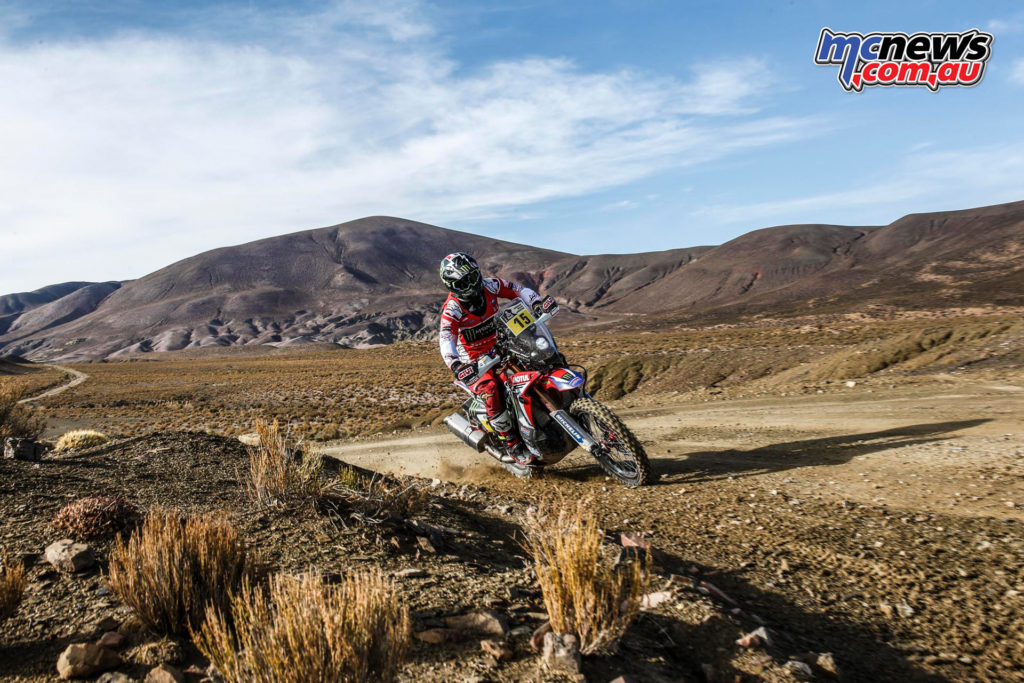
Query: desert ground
853	484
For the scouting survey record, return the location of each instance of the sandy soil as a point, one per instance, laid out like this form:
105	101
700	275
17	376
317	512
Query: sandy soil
882	525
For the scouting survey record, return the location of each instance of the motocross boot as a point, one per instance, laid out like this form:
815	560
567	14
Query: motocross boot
502	425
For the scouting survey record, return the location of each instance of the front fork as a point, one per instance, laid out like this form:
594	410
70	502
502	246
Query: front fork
565	421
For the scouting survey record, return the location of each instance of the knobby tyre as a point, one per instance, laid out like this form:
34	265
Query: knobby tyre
621	455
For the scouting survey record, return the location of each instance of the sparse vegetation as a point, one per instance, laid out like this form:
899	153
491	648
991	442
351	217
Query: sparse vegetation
95	518
370	498
280	472
16	419
12	586
585	593
303	630
80	439
174	567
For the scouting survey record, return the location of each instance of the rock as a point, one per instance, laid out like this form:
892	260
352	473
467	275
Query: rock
799	669
851	384
156	653
410	573
23	449
108	623
755	638
905	610
537	639
114	677
85	659
112	640
827	663
498	650
67	556
426	545
165	673
102	592
483	622
561	653
624	679
437	636
652	600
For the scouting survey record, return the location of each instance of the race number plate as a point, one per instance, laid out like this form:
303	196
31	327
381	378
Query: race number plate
517	318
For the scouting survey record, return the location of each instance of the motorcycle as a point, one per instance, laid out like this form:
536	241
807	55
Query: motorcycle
551	408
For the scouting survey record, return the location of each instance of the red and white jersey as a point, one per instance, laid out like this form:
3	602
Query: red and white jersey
466	336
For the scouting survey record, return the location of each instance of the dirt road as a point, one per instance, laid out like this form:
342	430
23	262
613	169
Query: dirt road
908	448
883	525
77	378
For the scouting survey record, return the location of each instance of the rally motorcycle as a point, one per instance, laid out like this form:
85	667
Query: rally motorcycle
548	400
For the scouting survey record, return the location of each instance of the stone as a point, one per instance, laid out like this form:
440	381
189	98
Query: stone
67	556
827	662
485	622
755	638
496	649
156	653
799	669
23	449
438	636
652	600
112	640
851	384
114	677
426	545
85	659
410	573
562	653
165	673
537	639
108	623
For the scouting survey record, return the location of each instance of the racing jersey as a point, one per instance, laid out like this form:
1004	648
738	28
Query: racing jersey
466	336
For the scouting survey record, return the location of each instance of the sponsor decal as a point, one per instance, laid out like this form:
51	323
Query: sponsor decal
567	425
932	60
481	331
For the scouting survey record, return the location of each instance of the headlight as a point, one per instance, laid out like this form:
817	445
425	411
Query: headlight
542	344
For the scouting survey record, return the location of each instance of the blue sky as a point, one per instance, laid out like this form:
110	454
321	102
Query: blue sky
137	134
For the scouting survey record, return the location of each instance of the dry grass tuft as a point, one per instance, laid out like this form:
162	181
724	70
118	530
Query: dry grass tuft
280	472
175	566
370	499
96	518
303	630
79	439
17	420
12	586
585	594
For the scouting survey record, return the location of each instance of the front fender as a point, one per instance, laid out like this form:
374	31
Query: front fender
562	379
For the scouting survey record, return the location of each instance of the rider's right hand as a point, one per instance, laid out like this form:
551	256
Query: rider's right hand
464	372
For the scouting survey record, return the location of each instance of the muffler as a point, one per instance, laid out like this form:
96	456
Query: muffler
474	437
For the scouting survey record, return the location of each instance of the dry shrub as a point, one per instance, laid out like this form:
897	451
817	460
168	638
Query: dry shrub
280	472
585	593
17	420
96	518
79	439
303	630
370	498
175	566
12	586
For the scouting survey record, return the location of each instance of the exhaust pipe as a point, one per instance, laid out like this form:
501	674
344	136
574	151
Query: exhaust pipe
473	437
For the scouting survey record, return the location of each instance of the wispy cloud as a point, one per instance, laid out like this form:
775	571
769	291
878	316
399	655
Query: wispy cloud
122	153
934	180
1017	75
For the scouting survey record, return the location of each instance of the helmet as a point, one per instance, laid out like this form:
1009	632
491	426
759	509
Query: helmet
461	275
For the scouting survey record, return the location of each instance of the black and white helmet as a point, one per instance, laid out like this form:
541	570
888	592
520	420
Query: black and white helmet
460	273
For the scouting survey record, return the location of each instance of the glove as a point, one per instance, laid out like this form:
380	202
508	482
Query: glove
546	305
464	372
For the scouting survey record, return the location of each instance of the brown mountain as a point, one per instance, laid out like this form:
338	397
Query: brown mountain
374	280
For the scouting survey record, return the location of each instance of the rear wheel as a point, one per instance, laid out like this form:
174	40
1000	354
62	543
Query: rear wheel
619	452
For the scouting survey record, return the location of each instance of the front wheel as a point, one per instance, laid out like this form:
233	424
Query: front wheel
619	452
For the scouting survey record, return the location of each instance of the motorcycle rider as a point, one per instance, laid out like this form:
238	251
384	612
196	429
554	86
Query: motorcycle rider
468	331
